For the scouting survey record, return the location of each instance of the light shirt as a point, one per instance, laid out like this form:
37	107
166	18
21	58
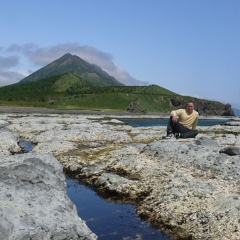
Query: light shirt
188	120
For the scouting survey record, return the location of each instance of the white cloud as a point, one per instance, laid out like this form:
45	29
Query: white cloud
8	62
9	77
41	56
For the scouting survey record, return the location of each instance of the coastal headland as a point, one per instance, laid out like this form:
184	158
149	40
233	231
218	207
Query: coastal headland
188	188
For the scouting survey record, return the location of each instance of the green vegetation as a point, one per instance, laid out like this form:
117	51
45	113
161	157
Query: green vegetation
71	83
69	91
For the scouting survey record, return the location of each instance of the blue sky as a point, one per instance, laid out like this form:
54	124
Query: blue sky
191	47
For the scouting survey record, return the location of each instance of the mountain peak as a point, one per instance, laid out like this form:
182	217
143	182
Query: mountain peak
69	63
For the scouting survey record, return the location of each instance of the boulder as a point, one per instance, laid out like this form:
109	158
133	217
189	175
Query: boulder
34	202
9	142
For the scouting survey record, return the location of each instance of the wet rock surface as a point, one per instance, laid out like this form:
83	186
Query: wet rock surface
188	188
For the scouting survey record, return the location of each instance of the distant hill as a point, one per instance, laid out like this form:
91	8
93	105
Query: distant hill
236	112
69	91
71	83
75	65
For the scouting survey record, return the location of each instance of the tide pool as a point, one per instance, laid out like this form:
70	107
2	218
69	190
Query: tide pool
108	219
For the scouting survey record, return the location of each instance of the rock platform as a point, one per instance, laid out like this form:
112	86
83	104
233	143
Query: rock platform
188	188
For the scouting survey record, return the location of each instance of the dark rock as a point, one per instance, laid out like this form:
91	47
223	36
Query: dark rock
205	107
176	102
231	151
228	111
134	107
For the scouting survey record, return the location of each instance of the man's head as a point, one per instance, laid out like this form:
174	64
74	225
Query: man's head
190	106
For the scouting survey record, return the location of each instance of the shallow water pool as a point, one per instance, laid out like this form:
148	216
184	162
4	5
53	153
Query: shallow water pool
108	219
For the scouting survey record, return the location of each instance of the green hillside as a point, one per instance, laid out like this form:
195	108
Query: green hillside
69	91
44	89
114	101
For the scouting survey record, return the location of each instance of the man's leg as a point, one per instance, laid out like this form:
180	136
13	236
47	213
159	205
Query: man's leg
170	126
190	134
169	129
184	131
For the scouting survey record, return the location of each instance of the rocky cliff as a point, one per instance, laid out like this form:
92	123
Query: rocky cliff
205	107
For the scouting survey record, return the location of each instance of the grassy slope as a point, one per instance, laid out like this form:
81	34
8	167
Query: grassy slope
72	92
107	101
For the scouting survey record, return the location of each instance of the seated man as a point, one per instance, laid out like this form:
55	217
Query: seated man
183	122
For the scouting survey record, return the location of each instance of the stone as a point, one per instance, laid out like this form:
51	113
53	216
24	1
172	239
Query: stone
206	141
231	151
8	143
34	203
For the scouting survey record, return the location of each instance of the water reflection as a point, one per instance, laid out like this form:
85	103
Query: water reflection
26	146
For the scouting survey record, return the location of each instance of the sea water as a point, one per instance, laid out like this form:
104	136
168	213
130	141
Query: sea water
148	122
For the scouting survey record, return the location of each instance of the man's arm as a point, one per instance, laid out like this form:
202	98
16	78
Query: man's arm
175	114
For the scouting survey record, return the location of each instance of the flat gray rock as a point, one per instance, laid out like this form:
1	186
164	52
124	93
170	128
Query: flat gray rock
206	141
